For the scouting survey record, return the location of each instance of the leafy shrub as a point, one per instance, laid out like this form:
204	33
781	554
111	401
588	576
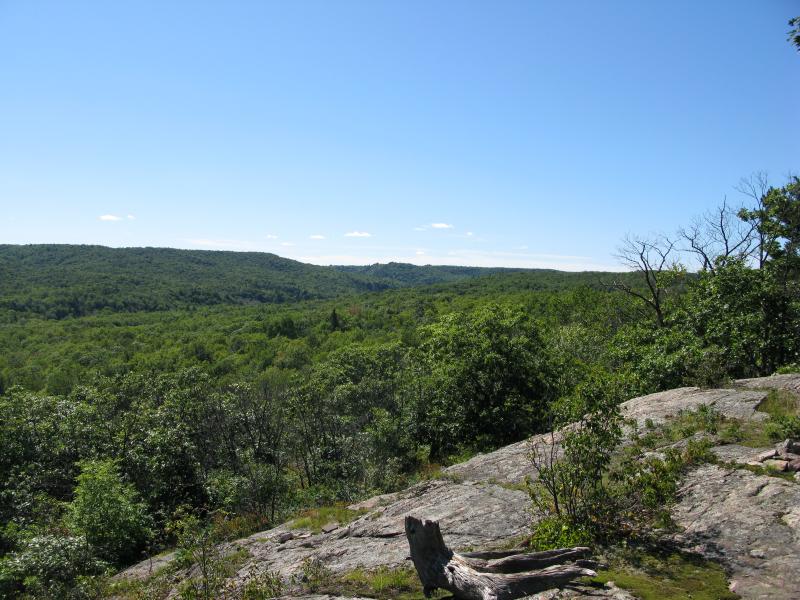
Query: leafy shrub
51	566
107	512
594	491
571	496
783	427
199	549
643	488
572	487
558	532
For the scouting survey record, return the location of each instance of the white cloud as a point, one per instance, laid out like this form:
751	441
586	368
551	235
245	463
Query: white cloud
109	218
363	234
316	237
271	236
287	244
521	248
442	226
470	234
420	252
131	218
419	228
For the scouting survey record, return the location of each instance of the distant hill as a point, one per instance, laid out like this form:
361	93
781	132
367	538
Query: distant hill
408	274
499	278
58	280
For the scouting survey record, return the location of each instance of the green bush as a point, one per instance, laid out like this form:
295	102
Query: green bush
783	427
51	567
572	488
559	532
107	512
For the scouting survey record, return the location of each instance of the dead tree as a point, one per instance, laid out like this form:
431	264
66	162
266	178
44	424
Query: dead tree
652	258
756	187
720	234
489	575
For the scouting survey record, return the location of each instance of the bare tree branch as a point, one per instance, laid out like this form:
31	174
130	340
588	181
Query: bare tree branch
719	234
756	187
651	257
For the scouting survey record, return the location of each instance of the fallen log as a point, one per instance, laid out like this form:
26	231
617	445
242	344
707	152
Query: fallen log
487	575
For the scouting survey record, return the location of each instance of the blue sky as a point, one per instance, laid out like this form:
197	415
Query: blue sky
485	133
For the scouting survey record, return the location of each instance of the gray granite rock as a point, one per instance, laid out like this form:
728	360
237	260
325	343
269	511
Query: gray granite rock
737	454
510	464
732	403
750	523
472	515
790	381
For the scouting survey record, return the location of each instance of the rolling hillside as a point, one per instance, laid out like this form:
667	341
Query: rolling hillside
60	281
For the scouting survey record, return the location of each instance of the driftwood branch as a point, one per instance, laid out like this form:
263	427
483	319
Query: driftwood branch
488	575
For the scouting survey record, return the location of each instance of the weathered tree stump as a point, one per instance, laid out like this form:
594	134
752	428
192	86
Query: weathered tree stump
488	575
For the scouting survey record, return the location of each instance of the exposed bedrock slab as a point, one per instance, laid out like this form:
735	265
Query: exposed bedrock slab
511	463
750	523
471	514
732	403
790	382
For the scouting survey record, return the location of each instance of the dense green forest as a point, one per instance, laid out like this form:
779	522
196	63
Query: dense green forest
139	386
60	281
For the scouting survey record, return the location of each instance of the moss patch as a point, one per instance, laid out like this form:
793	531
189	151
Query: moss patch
667	577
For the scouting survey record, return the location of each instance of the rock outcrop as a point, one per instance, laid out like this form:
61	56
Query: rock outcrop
748	522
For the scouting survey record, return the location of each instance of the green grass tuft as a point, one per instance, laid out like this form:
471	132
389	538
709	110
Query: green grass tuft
382	583
780	404
316	518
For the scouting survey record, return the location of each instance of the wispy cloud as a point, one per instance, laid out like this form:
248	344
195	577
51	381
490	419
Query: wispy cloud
442	225
131	218
271	236
316	236
109	218
420	228
361	234
287	244
420	252
470	234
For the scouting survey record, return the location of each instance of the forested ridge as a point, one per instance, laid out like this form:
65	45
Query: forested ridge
57	281
126	425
